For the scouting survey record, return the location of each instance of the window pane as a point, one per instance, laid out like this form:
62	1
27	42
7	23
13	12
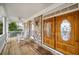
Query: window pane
1	26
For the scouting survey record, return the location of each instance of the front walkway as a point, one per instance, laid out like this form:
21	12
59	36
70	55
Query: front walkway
24	47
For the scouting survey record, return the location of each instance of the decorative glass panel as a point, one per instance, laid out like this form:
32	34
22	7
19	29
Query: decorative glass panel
48	29
65	30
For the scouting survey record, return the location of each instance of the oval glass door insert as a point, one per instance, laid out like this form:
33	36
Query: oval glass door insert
65	30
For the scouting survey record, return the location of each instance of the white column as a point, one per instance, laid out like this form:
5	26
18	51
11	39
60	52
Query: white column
5	27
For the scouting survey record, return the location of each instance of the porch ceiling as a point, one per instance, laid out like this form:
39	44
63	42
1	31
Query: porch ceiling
24	9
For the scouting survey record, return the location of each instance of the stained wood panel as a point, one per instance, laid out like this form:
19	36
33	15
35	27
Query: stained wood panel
48	40
70	46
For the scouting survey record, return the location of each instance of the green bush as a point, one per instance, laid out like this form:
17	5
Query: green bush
13	26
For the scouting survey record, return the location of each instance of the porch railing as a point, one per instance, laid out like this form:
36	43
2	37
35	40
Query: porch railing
15	33
2	41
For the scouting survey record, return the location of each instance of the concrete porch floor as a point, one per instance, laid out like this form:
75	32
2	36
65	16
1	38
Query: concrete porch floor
24	47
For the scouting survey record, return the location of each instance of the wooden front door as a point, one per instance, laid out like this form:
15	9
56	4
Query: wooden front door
48	32
67	33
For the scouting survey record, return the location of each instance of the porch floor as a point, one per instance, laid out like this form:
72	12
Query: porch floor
24	47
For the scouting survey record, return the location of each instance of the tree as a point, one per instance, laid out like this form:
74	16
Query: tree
13	26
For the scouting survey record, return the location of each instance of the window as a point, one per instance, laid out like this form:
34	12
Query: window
1	25
65	30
